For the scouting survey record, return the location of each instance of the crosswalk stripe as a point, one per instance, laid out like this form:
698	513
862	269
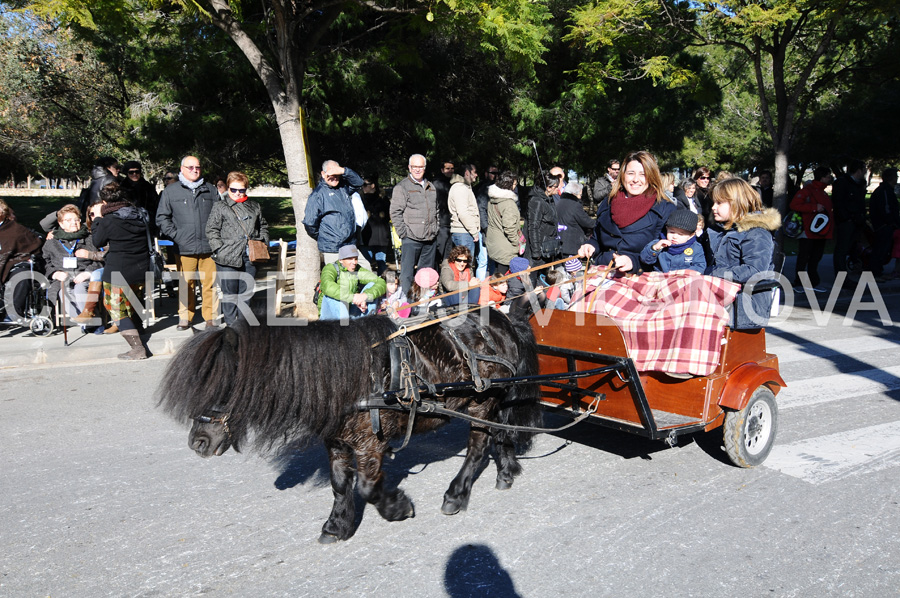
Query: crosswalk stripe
835	456
844	346
824	389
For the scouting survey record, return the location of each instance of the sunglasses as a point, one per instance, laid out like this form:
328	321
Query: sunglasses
134	172
197	168
461	260
703	178
237	191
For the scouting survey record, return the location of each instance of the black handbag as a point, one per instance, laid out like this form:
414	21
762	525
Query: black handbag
157	263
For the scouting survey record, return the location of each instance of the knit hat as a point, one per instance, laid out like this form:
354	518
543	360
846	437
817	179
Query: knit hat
517	264
683	219
573	265
426	277
347	251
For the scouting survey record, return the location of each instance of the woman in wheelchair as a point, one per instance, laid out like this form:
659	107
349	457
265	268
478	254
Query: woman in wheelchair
17	243
68	257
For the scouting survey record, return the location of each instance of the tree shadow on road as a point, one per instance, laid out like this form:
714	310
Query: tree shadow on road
473	570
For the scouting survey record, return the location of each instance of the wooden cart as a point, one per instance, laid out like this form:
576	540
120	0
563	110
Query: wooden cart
738	396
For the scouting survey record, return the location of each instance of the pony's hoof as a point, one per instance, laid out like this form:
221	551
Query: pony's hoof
326	538
449	508
503	485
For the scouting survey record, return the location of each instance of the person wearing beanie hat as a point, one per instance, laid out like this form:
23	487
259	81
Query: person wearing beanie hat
426	278
425	284
347	290
140	191
518	285
679	248
517	264
573	266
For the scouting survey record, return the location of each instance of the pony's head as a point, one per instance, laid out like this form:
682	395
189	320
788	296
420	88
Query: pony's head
210	435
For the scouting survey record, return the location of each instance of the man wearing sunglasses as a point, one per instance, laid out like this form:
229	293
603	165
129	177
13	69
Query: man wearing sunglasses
329	217
182	216
603	185
139	191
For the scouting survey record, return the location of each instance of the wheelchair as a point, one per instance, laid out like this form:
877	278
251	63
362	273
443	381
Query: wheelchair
36	314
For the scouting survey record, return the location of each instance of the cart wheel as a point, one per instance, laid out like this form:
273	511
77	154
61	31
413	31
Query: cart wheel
41	326
750	432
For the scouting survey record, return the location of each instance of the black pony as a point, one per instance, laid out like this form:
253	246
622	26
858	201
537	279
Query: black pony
275	386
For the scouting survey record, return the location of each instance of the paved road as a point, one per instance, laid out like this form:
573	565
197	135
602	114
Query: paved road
100	496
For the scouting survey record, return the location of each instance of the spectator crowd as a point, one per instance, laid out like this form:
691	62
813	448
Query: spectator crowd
466	235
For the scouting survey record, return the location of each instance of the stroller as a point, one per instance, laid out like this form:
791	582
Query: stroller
36	315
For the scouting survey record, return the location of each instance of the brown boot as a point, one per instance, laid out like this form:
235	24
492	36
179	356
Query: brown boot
95	289
111	330
137	347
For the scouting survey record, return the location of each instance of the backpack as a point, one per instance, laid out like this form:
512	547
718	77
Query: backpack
317	290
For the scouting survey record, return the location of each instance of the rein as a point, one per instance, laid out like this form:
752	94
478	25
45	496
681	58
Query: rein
493	281
403	330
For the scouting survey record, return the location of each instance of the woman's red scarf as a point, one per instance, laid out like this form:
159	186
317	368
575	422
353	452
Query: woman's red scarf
628	210
464	276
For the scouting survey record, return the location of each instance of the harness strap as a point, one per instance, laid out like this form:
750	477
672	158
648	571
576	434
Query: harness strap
473	358
435	408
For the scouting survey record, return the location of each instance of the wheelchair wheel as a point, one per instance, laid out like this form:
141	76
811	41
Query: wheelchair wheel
41	326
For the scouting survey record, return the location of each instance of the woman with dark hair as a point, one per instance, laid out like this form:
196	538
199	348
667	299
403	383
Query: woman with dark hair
456	275
503	232
233	223
123	227
703	177
631	217
686	196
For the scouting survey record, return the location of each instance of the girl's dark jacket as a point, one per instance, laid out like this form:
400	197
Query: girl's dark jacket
128	257
608	238
743	252
226	227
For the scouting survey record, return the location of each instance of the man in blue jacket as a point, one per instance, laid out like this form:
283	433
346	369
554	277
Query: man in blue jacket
330	218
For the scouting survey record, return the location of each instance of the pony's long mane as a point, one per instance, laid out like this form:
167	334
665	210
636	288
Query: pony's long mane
284	384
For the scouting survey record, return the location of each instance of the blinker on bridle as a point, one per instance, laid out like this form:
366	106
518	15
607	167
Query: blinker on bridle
205	419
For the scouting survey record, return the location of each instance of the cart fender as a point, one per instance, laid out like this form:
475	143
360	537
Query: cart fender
745	379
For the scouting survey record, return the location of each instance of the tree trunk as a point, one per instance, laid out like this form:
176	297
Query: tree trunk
306	270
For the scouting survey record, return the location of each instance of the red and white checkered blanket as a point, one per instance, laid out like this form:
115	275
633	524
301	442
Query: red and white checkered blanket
672	322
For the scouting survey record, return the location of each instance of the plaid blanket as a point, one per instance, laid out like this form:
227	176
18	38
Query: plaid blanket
672	322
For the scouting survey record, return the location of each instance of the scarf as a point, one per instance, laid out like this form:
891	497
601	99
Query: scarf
64	236
109	208
680	247
242	199
628	210
458	276
189	184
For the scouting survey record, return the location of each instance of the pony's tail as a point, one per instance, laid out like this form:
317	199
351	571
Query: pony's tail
200	376
522	407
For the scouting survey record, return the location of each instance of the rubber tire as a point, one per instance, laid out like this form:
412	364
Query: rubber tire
41	326
758	420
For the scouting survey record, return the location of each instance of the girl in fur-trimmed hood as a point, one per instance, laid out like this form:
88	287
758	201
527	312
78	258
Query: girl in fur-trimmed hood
745	247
